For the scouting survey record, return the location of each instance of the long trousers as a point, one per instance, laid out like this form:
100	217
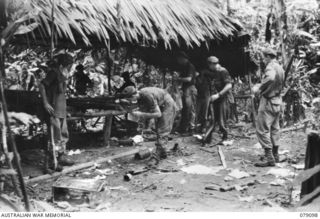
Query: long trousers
268	128
220	109
202	112
188	112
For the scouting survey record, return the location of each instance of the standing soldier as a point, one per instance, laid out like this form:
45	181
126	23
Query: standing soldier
222	84
189	93
268	128
52	90
155	103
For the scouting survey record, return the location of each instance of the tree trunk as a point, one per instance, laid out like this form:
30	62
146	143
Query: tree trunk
3	15
228	7
283	28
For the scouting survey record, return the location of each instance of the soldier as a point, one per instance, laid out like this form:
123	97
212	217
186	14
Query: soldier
189	93
127	82
81	81
155	103
222	84
52	90
268	128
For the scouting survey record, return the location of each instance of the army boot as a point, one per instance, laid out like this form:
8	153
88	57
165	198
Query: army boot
64	160
161	152
268	161
275	153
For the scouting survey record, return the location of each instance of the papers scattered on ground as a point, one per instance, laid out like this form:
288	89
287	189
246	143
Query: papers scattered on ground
198	137
228	178
71	152
283	152
278	182
295	195
236	173
246	199
228	143
180	162
280	172
298	166
201	169
257	146
107	171
137	139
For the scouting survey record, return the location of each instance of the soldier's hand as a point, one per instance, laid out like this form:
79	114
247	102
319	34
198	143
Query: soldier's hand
49	109
214	97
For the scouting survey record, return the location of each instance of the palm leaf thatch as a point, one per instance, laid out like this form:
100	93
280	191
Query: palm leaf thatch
135	21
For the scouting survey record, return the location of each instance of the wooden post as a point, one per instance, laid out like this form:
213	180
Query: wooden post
12	143
251	93
107	130
52	29
254	115
108	66
164	80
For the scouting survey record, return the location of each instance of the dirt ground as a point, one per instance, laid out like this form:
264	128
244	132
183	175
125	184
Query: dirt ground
170	187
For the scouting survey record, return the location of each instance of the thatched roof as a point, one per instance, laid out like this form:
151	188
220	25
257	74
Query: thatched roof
136	21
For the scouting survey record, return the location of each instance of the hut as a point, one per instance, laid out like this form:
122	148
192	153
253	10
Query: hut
155	27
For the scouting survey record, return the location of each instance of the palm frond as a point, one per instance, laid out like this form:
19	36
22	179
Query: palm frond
136	21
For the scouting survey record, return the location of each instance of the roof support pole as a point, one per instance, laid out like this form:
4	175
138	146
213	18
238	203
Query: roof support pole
52	28
12	143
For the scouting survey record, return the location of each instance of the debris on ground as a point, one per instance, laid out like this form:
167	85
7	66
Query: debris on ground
295	195
78	191
257	146
278	182
137	139
201	169
246	199
180	162
127	177
228	143
106	172
236	173
75	152
198	137
298	166
280	172
43	206
227	188
228	178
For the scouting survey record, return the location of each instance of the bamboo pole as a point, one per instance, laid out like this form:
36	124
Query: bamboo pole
52	29
12	142
9	160
83	166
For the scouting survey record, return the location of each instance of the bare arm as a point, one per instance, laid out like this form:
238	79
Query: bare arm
186	79
156	114
225	89
45	101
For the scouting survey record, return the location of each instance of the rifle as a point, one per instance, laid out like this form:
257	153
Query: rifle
207	136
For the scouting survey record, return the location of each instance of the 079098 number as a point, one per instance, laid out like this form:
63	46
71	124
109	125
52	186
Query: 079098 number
308	214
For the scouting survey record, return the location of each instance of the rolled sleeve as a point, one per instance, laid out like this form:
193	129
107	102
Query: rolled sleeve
226	77
267	79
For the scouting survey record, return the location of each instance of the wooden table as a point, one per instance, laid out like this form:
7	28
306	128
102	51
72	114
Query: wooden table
105	103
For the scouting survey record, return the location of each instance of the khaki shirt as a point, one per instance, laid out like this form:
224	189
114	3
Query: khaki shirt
272	82
151	97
